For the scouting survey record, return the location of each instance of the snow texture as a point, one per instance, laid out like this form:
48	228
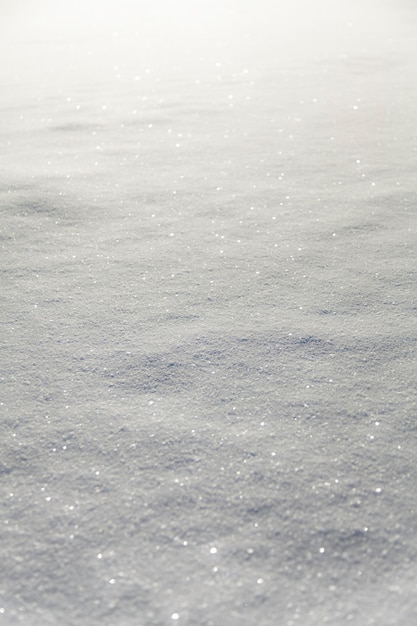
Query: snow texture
208	238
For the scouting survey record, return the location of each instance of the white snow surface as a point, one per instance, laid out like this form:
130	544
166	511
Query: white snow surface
208	237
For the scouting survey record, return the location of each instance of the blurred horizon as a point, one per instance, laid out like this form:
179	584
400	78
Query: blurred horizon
47	41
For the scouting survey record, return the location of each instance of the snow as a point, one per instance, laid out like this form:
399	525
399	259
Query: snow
209	324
